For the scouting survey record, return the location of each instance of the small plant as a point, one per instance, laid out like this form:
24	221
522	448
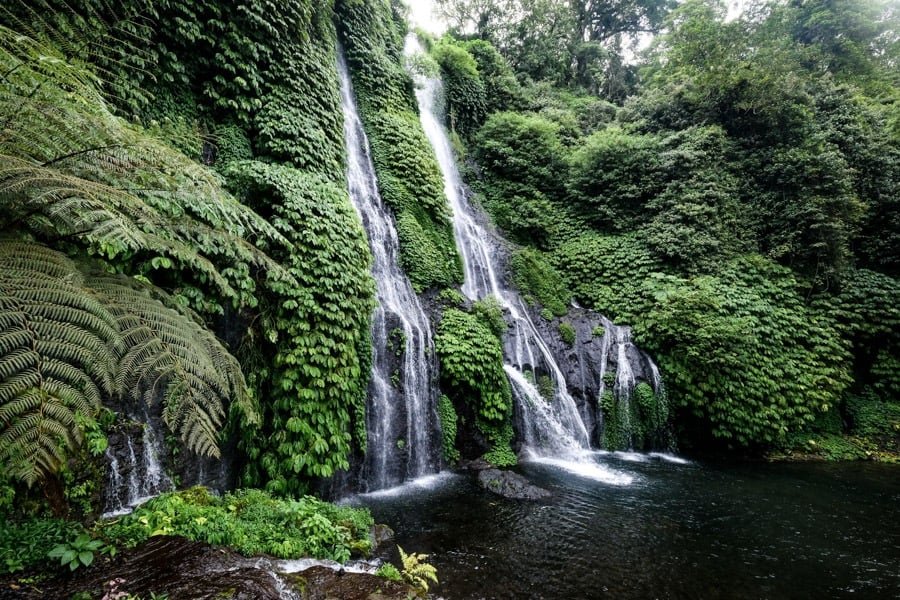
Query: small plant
547	314
401	443
599	331
416	571
77	553
567	333
389	571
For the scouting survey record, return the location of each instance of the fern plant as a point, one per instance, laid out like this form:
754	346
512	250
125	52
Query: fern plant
69	340
416	571
69	168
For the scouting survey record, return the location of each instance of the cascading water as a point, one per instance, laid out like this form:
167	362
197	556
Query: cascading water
145	474
401	414
549	427
559	426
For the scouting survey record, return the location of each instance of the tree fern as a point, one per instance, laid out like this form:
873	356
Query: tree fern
70	168
69	341
170	355
59	358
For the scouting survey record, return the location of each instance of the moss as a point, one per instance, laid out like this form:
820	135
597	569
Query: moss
567	333
447	414
598	331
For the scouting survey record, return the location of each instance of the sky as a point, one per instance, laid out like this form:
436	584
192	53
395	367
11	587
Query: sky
422	15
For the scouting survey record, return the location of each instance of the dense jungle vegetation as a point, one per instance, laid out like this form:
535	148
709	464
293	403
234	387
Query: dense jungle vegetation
176	232
731	192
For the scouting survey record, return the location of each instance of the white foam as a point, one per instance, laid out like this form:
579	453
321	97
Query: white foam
301	564
670	458
632	456
583	467
427	482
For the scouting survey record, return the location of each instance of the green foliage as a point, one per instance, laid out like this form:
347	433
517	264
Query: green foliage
785	363
464	91
71	169
448	417
471	358
319	328
251	522
491	314
567	333
501	453
613	176
598	331
25	544
472	366
71	339
409	178
416	571
606	272
522	148
76	553
536	278
389	572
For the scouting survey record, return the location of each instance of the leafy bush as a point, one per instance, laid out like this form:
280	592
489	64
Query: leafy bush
464	90
471	358
447	414
25	544
567	333
535	278
390	572
251	522
76	553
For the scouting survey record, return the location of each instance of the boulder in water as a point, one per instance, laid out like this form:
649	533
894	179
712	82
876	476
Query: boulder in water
510	485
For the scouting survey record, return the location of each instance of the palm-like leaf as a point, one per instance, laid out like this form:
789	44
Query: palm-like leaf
67	341
70	168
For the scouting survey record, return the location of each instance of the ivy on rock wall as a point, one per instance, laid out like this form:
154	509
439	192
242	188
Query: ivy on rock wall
409	178
319	329
250	88
471	359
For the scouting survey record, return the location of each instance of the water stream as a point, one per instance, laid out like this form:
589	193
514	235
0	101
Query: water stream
401	415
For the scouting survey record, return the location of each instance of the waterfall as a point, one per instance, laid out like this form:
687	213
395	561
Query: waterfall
401	416
146	477
552	428
548	427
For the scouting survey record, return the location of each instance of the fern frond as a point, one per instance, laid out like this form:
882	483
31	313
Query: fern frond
59	355
70	168
170	354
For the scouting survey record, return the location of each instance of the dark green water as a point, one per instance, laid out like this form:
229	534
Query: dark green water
674	531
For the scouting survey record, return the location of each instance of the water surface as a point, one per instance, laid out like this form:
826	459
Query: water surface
652	528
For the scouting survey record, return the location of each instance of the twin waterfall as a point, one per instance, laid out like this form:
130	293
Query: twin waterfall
401	417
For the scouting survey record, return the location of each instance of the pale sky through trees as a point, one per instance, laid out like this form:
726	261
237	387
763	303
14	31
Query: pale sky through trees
422	15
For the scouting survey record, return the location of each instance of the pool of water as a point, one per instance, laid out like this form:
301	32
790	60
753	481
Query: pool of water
642	526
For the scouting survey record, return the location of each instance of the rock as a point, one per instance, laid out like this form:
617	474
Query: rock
322	583
184	569
380	535
510	485
479	464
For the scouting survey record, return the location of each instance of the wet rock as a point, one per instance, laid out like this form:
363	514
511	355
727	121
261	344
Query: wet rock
510	485
322	583
380	534
181	568
479	464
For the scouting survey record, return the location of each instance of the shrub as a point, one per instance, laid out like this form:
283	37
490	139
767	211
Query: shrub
251	522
